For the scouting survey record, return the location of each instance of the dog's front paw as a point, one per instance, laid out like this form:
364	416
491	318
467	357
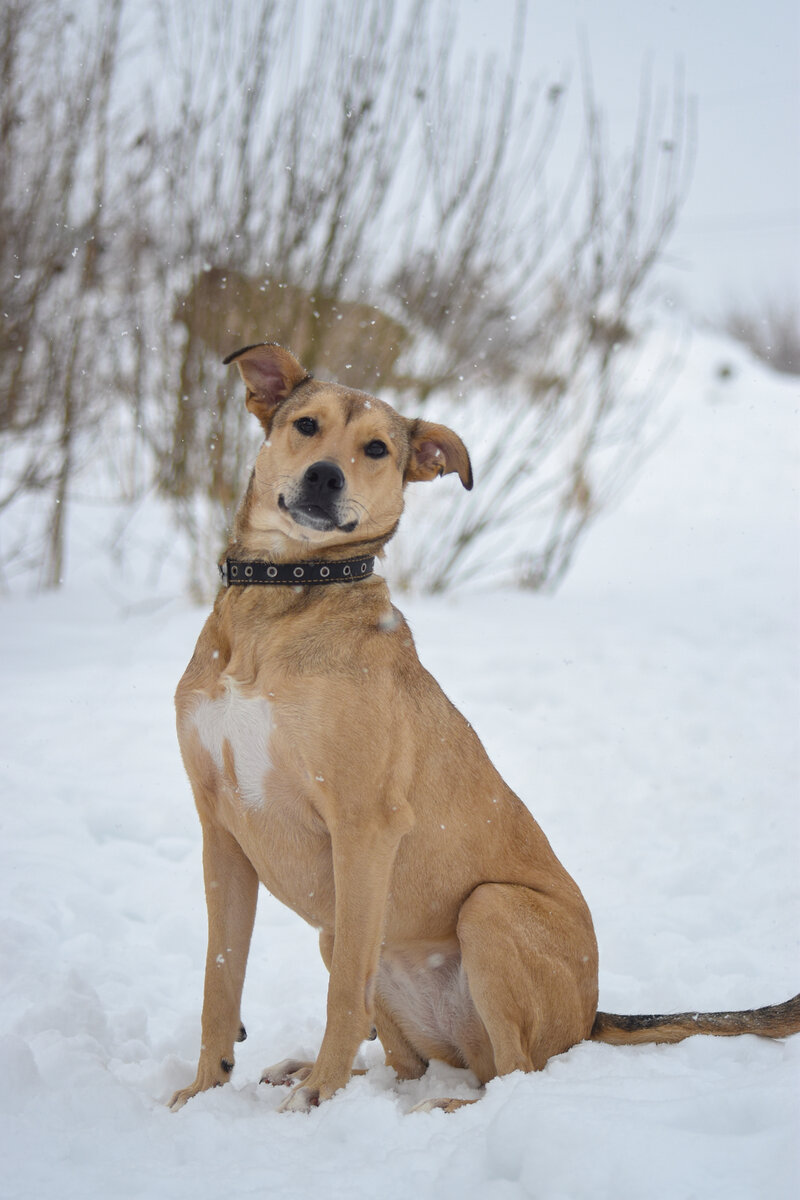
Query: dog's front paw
443	1102
300	1099
288	1070
181	1097
206	1078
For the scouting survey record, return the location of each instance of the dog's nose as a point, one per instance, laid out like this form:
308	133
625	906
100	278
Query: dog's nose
324	477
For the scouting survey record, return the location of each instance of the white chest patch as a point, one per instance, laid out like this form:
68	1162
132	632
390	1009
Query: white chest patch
245	723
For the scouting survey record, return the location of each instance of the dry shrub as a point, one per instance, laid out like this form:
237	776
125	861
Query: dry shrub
373	204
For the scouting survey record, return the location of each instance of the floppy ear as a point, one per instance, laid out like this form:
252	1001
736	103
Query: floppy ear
270	374
436	450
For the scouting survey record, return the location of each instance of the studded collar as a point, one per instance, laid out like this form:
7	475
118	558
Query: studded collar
348	570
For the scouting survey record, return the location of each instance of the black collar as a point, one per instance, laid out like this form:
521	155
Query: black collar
346	570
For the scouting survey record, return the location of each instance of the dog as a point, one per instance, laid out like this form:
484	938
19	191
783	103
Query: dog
327	764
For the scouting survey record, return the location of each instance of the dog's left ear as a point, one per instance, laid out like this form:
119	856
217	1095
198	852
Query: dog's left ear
270	374
436	450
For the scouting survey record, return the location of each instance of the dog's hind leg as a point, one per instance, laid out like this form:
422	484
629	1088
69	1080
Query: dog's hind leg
531	967
231	894
531	964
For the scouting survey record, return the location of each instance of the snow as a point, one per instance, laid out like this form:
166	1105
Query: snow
648	714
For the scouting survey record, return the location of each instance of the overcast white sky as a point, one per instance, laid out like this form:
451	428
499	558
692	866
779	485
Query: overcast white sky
739	236
738	240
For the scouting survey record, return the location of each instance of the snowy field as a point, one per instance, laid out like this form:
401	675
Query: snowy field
648	714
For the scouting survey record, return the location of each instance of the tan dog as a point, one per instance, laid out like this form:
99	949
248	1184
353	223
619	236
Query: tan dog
327	764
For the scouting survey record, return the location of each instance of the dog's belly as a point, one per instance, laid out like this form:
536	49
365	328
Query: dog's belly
427	994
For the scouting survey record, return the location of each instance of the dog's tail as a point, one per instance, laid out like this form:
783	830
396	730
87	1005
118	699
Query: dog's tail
775	1021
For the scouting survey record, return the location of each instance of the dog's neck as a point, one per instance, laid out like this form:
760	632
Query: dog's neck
247	546
285	567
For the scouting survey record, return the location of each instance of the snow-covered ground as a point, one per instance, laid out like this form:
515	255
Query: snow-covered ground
648	714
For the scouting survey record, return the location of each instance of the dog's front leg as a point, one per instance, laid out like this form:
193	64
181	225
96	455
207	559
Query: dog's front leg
231	893
363	858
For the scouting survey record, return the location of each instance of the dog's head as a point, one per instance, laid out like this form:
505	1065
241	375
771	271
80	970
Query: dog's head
335	461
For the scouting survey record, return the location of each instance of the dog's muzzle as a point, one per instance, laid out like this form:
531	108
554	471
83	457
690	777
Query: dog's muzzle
318	499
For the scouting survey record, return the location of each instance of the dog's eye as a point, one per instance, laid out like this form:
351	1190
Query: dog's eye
306	425
376	449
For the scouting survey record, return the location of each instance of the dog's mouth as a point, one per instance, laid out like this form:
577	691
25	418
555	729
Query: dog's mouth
315	516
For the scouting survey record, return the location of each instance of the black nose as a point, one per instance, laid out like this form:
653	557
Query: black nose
321	478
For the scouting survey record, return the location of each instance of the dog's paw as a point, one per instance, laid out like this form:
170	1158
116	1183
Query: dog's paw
289	1070
300	1099
207	1077
180	1098
442	1102
185	1094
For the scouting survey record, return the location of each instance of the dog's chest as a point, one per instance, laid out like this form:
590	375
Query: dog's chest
236	730
261	804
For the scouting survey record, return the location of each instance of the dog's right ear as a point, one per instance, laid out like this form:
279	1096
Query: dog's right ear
270	374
